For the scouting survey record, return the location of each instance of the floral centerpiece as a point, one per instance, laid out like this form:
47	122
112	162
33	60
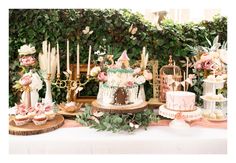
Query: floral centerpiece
210	62
30	82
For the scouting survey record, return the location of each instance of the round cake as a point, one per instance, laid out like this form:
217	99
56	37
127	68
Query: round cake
180	101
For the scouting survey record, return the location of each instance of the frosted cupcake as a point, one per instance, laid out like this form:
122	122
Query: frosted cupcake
40	119
21	120
49	112
31	113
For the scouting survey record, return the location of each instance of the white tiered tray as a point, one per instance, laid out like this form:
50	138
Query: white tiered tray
212	100
213	82
189	116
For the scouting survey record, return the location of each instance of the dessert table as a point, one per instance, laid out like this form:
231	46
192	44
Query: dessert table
155	140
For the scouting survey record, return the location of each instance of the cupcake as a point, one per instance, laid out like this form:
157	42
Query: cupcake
31	113
40	119
21	120
50	114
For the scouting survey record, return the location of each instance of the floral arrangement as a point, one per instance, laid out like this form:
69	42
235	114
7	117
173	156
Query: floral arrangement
141	73
30	82
211	60
104	61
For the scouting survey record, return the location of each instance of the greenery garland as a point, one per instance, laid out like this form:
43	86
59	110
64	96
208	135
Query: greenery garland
116	122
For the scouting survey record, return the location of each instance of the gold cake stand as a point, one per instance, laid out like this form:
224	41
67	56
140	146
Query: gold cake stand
130	108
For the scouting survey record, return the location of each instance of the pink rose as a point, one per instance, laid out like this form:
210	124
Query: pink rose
31	109
207	65
102	76
147	75
48	108
198	65
21	109
27	61
25	80
137	70
38	106
129	84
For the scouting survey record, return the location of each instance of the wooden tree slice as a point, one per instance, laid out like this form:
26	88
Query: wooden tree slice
119	109
32	129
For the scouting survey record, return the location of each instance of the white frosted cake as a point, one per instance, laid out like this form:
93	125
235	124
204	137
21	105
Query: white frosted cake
180	101
120	87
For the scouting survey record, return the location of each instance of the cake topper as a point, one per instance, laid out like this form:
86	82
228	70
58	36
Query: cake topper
123	61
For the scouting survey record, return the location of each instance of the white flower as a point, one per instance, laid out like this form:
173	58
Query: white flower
97	52
140	80
86	30
100	59
131	124
95	70
136	126
26	50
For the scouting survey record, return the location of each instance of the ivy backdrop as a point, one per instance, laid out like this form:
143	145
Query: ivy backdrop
110	29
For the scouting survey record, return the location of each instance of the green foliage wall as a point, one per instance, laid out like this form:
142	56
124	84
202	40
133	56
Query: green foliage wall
110	28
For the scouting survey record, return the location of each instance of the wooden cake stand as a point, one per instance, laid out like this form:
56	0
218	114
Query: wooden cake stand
32	129
119	109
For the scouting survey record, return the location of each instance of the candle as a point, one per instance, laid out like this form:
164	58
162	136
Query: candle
187	68
88	70
78	68
58	60
184	81
174	69
68	57
49	59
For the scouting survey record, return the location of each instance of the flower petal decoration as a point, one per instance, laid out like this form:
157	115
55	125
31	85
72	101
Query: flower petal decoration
26	50
78	89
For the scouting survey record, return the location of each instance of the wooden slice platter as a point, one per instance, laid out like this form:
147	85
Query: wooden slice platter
119	109
32	129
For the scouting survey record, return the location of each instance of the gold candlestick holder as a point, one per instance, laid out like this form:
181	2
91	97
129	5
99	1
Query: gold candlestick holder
70	84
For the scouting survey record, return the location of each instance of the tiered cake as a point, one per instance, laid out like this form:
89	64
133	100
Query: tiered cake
180	102
121	92
120	87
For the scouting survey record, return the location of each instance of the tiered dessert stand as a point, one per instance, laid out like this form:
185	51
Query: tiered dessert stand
210	88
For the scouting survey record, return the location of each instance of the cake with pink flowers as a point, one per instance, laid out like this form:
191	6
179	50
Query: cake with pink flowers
180	102
121	86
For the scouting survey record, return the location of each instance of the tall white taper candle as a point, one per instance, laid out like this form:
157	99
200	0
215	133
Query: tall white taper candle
49	59
89	58
58	60
67	57
174	69
184	81
77	67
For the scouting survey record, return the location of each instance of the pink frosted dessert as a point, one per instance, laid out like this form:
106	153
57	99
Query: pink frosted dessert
180	101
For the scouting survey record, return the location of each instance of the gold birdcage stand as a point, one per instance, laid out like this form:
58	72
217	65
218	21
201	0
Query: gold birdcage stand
172	71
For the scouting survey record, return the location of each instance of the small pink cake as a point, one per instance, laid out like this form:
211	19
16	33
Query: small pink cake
180	101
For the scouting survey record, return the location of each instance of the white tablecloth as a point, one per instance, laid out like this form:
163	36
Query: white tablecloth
156	140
